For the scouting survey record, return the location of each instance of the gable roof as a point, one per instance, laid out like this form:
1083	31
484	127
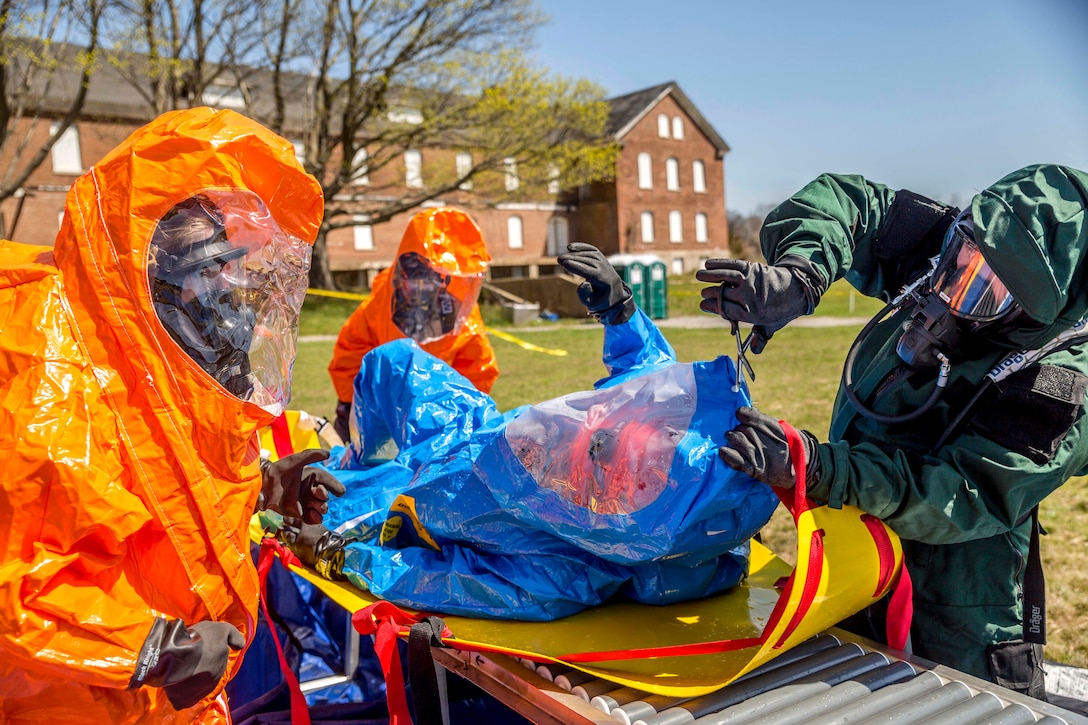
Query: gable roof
627	110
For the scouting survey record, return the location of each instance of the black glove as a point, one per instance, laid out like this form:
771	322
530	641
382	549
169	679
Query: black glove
757	446
342	424
766	295
187	662
291	489
317	547
603	293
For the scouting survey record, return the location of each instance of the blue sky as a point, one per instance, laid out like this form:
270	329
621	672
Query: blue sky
943	98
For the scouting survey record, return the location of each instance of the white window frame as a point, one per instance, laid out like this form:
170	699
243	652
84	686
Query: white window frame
223	94
515	232
678	128
362	233
672	174
558	236
677	266
676	226
698	176
359	170
701	227
464	165
510	173
662	125
645	171
413	169
65	153
646	226
553	179
405	114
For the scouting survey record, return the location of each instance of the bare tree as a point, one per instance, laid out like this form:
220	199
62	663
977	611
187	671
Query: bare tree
744	235
360	82
176	52
386	76
47	55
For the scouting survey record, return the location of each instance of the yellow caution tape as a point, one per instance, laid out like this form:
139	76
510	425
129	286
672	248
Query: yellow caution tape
338	295
524	344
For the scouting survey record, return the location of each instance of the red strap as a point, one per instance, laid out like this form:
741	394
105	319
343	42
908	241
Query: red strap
900	610
281	436
386	621
300	711
676	650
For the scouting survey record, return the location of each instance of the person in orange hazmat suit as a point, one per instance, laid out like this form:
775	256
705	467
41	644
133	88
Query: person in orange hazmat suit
430	295
138	357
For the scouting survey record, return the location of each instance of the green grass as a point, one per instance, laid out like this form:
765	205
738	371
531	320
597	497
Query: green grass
797	377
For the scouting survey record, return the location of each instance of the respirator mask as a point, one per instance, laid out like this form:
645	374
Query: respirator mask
954	303
961	296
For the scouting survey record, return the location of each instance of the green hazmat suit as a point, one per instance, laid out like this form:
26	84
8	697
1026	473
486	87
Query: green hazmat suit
963	509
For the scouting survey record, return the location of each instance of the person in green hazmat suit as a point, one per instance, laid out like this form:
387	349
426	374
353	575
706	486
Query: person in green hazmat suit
962	404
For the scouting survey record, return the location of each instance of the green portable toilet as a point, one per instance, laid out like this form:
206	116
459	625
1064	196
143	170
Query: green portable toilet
633	272
657	288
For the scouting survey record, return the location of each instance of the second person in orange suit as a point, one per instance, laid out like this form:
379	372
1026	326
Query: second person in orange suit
430	295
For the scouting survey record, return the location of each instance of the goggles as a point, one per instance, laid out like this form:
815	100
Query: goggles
963	279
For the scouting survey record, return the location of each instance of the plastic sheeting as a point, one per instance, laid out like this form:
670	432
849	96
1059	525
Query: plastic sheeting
624	494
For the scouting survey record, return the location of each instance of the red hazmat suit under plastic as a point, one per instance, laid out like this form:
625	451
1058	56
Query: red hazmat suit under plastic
429	294
130	462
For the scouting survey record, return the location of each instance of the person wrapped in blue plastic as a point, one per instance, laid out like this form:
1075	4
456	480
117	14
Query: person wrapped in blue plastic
539	512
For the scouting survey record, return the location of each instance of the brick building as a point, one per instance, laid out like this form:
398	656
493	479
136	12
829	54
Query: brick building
667	197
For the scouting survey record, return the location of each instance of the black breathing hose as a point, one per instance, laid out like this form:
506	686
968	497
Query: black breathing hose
848	382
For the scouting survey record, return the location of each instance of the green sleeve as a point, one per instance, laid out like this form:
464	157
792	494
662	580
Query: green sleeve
972	488
833	222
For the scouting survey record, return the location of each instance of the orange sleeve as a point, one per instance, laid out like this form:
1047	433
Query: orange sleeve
475	359
356	338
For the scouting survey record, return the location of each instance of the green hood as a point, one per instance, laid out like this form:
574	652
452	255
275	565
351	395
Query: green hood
1033	231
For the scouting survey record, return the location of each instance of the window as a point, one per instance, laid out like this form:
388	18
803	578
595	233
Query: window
405	114
413	169
65	152
223	95
677	127
676	227
647	224
364	233
513	233
558	236
553	179
510	165
663	126
358	168
700	227
678	265
300	150
698	177
672	175
464	165
645	171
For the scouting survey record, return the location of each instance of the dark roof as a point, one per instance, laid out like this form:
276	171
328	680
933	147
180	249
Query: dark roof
627	110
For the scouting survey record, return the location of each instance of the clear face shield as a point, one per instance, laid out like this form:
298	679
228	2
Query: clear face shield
609	450
963	279
430	303
228	284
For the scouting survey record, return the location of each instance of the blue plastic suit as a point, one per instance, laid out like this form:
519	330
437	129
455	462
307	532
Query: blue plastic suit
545	510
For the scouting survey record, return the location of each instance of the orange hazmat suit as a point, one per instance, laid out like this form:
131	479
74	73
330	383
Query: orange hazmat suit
449	242
130	474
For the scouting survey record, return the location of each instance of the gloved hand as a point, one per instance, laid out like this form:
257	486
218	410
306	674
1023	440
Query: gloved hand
757	446
291	489
603	293
342	424
317	547
766	295
187	662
